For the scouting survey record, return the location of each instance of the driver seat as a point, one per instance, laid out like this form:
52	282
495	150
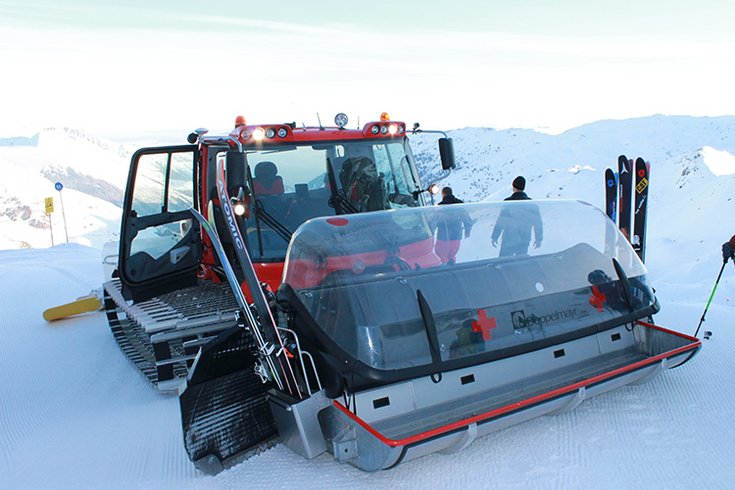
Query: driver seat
266	180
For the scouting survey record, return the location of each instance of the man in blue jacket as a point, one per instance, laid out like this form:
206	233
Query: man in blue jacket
515	223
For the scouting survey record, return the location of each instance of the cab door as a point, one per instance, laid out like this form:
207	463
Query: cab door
160	243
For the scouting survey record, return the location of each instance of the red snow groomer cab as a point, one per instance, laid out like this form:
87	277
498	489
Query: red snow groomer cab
169	297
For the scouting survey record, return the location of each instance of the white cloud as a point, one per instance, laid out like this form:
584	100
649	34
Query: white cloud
276	71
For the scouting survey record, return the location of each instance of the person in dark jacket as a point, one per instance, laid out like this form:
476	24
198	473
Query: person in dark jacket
449	229
728	250
515	223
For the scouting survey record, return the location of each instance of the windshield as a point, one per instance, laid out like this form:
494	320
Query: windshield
495	276
292	184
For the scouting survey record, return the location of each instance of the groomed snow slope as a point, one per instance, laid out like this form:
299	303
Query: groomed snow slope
76	414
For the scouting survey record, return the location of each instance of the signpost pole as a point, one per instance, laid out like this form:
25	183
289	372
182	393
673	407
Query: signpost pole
59	186
51	229
49	204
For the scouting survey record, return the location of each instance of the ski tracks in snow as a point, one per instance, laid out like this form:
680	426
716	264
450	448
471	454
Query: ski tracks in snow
75	413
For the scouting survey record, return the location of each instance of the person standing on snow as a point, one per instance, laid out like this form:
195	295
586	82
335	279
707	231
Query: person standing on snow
728	250
449	229
515	223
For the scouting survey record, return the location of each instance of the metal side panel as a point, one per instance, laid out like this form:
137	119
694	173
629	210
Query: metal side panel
538	386
354	443
462	438
298	423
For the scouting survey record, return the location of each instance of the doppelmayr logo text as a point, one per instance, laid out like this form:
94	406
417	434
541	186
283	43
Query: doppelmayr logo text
521	320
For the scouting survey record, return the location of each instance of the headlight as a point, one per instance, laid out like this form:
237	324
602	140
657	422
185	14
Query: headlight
393	129
341	120
383	129
282	132
258	134
239	208
375	129
270	133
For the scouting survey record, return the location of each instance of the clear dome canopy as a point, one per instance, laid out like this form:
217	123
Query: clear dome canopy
493	277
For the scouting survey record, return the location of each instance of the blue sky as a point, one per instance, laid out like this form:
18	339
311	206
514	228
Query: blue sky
174	64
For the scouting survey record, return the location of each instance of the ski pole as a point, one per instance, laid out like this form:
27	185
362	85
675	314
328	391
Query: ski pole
701	320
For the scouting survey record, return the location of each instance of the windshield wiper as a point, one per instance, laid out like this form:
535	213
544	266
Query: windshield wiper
430	326
272	222
624	285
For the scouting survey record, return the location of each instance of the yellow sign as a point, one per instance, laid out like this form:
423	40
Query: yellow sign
641	185
49	201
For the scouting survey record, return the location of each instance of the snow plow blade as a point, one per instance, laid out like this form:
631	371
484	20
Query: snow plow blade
224	411
85	304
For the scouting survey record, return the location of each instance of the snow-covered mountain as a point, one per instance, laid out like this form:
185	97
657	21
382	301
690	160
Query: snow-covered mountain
693	170
692	177
93	172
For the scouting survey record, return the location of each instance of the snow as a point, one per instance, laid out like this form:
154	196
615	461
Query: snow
75	413
719	162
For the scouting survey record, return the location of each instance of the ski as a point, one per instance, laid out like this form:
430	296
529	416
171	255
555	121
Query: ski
264	328
642	181
225	416
266	371
210	230
611	194
625	184
611	208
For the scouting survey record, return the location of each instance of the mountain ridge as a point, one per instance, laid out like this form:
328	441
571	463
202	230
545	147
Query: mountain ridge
685	198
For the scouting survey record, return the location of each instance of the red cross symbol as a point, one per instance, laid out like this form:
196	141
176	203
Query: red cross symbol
483	324
598	298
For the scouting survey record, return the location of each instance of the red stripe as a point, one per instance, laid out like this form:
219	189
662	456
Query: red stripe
672	332
524	403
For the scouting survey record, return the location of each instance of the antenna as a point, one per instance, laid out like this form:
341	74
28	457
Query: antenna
320	121
358	122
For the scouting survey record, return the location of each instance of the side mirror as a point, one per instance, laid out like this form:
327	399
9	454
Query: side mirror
235	171
446	153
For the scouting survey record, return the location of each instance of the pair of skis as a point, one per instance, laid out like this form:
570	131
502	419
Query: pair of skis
625	208
274	363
